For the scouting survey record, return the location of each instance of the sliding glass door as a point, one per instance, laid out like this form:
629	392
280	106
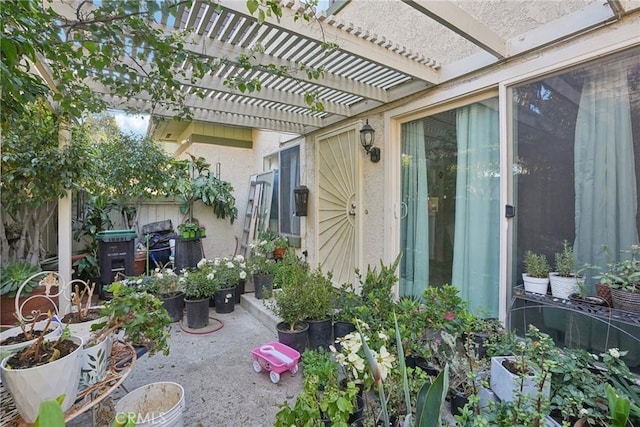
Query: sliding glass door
450	204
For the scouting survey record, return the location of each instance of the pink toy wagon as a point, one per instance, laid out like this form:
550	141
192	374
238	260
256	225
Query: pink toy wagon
275	358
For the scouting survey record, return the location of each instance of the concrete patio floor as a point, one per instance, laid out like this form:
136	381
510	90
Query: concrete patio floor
215	369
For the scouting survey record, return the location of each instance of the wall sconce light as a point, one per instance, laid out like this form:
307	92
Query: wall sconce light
367	134
301	200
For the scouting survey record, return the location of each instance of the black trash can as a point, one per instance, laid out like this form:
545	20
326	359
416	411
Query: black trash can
116	255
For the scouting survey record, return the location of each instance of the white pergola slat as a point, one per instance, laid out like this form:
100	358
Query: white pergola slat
365	71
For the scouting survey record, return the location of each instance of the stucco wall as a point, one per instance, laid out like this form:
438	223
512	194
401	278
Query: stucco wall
236	166
422	34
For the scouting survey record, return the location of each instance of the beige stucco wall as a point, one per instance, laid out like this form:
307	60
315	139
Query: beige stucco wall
422	34
236	166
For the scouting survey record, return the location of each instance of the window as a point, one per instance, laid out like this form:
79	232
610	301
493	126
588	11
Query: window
450	204
576	161
289	179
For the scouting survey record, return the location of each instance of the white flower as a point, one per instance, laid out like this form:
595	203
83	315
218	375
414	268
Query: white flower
210	276
385	362
159	276
202	263
216	262
185	274
243	265
230	264
614	353
243	275
238	258
139	281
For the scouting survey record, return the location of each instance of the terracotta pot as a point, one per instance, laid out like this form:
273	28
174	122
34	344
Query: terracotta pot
7	305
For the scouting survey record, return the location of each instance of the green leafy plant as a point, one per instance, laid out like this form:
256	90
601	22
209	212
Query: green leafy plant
193	182
289	303
565	261
13	274
199	283
313	405
139	314
317	294
50	413
620	407
625	273
536	265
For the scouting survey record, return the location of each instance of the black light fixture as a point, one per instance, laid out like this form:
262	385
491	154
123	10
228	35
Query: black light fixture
367	134
301	200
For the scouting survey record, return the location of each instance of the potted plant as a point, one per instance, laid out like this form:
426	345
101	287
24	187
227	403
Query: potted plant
142	318
318	295
193	182
188	230
199	287
346	302
564	280
226	277
12	275
623	279
25	334
291	276
536	273
42	371
262	269
165	285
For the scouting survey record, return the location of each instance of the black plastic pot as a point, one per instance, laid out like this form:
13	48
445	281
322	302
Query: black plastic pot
263	284
320	333
296	339
225	300
458	401
197	313
174	304
239	290
340	329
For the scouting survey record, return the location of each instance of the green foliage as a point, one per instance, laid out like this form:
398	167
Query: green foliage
192	181
288	303
443	307
625	273
565	262
312	406
377	295
536	265
347	302
141	315
199	283
35	173
318	295
318	362
13	274
50	413
86	42
431	400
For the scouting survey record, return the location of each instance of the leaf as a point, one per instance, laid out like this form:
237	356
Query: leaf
431	400
50	413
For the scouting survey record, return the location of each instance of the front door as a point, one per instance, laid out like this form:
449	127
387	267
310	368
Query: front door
338	204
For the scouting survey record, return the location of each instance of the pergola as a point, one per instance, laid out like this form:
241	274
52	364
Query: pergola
366	70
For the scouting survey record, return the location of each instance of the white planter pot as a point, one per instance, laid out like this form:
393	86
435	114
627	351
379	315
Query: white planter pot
95	362
156	404
31	386
538	285
506	385
83	330
563	287
7	350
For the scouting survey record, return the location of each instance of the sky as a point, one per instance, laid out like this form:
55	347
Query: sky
136	124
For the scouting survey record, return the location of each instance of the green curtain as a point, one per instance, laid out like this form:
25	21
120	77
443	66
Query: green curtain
414	224
476	247
604	168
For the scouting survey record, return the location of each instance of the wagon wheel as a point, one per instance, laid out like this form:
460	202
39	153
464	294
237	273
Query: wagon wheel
275	377
256	366
294	369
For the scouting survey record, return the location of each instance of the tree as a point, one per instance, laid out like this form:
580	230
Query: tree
117	44
35	173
